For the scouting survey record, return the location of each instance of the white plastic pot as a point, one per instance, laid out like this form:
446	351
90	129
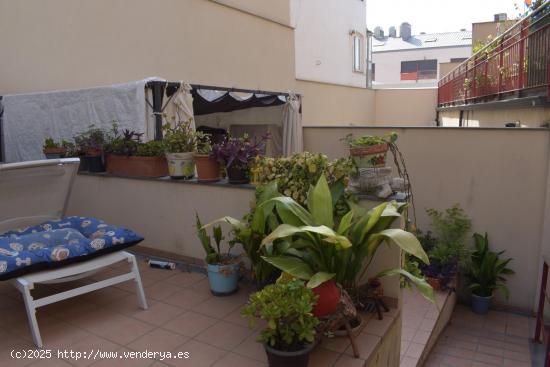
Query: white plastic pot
181	165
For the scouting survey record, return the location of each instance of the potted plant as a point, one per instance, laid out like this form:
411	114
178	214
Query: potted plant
92	142
290	332
208	167
128	156
53	150
236	154
315	247
486	274
370	151
180	143
223	268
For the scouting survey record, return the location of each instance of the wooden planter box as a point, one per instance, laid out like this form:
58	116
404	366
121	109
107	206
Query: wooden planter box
132	166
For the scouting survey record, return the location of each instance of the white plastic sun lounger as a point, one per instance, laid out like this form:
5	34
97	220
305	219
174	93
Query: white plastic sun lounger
38	191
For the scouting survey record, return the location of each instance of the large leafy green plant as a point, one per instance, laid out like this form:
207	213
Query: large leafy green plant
286	307
487	269
314	246
251	232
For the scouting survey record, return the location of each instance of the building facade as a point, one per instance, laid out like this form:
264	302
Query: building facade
411	61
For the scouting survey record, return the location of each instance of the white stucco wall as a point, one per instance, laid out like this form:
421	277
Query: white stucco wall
388	64
323	42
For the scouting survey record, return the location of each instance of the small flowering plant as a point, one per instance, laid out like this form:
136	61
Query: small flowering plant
239	151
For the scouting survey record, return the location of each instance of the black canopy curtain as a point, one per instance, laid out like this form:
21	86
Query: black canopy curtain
226	103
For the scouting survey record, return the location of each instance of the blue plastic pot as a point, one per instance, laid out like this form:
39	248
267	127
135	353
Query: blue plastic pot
223	279
480	305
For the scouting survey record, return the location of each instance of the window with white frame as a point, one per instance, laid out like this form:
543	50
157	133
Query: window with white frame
358	52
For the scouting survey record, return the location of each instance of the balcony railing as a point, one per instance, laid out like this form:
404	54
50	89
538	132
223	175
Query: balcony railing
514	65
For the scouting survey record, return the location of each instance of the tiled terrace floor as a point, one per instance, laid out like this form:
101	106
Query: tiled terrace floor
470	340
496	339
419	318
183	316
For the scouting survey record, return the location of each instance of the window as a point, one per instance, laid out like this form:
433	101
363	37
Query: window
358	52
419	70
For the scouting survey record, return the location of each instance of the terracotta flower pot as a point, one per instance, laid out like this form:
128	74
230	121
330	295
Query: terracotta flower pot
329	296
133	166
53	153
369	157
208	168
435	283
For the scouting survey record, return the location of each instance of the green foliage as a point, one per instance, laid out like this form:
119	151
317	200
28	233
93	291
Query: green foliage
152	148
487	269
180	138
214	256
49	143
251	232
451	229
370	140
412	266
204	143
286	308
296	174
92	139
315	248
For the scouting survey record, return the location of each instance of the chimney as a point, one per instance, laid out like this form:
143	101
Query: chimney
405	31
392	32
378	33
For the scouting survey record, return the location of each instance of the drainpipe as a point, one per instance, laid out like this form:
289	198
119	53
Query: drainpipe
460	119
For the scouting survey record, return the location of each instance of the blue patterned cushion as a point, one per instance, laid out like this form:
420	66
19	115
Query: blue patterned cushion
58	242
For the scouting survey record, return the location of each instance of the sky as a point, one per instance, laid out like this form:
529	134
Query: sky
432	16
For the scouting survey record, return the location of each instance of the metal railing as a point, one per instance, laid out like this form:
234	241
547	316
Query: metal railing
513	65
541	332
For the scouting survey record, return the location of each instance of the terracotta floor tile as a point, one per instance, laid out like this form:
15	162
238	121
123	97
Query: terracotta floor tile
90	344
160	291
347	361
456	361
184	279
105	296
251	348
236	360
190	324
414	350
220	307
421	337
120	329
321	357
408	362
366	343
200	355
126	360
378	327
224	335
158	313
158	340
336	344
482	357
187	298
